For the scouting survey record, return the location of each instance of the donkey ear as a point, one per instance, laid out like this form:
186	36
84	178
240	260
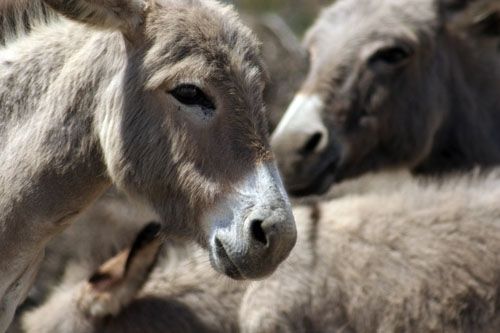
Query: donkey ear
115	284
473	17
124	15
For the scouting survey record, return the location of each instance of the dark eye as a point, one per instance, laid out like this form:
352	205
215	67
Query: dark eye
391	56
191	95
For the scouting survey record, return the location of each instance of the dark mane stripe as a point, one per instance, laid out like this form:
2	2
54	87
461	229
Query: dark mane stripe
18	17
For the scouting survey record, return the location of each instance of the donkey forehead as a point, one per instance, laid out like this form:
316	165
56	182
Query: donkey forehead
351	24
207	39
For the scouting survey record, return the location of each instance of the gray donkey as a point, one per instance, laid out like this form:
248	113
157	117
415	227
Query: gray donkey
162	98
392	254
394	83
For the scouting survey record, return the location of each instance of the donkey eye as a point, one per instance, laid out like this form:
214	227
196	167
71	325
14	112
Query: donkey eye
191	95
391	55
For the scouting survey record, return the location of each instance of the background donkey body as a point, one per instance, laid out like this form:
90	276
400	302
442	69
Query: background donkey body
396	255
132	94
389	254
183	294
392	84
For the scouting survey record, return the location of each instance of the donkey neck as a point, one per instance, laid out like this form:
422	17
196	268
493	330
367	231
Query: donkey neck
470	132
52	82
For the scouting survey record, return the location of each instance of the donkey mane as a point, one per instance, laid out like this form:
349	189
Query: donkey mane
19	17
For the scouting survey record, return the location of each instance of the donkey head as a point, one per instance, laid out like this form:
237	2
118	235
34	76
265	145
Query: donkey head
183	126
375	94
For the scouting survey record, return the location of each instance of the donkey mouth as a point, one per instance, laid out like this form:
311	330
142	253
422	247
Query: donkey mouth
223	263
317	184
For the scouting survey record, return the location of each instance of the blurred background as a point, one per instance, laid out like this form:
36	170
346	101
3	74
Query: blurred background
299	14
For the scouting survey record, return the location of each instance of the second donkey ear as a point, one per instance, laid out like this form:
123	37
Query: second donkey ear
473	17
116	283
123	15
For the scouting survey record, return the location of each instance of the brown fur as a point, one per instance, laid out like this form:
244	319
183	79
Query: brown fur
395	86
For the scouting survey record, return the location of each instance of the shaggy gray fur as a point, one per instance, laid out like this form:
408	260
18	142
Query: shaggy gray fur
87	100
388	254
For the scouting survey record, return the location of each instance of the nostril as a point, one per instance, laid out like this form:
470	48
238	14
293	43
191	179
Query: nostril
218	245
257	232
311	144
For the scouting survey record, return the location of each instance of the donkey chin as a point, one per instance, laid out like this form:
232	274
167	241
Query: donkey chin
252	230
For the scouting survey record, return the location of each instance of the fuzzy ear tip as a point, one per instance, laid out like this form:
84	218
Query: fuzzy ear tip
144	5
149	233
98	277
